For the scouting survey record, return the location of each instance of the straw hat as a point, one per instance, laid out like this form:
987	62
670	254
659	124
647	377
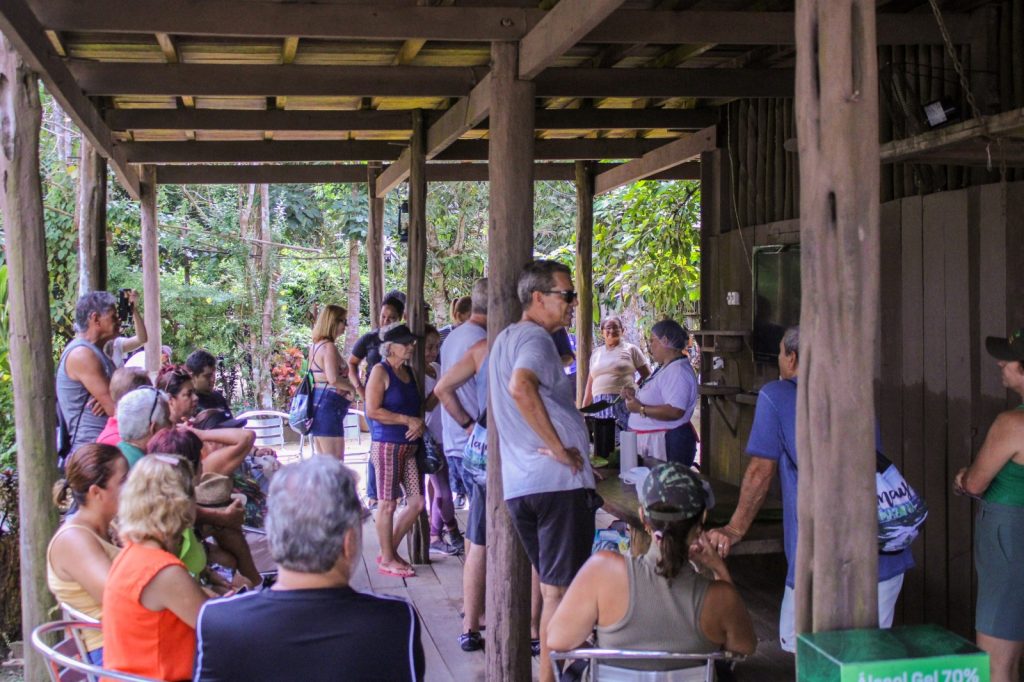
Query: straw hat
214	490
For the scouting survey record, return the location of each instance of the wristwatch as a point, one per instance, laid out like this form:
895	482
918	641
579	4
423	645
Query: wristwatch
643	410
466	425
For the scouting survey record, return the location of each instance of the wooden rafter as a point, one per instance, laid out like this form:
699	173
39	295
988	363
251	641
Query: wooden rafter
964	143
248	80
289	48
360	150
463	116
27	36
656	161
396	119
559	30
192	174
241	18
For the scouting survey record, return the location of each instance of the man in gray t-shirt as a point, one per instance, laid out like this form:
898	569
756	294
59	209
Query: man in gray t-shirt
455	347
545	464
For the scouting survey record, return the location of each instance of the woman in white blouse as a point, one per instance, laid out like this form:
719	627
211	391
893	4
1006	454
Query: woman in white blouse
613	367
661	408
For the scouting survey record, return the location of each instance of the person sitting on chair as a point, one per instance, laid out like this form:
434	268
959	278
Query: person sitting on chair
80	553
150	602
311	625
658	601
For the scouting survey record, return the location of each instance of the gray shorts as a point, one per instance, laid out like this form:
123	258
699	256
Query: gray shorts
476	524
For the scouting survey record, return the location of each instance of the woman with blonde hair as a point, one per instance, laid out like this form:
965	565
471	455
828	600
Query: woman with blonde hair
80	553
333	392
151	603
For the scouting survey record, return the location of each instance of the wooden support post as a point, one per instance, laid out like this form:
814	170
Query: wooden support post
31	350
92	220
150	269
415	309
375	242
509	247
584	274
837	126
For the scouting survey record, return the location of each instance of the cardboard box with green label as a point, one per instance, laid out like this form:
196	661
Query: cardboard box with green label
916	653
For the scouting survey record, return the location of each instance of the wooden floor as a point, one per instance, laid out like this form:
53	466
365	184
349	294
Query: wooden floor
436	591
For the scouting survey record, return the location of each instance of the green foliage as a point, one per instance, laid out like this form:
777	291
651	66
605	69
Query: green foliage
7	451
647	248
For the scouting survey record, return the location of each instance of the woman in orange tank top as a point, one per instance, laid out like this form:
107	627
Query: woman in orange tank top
151	603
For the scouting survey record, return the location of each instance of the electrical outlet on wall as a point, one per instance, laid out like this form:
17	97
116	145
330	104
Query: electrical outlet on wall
732	298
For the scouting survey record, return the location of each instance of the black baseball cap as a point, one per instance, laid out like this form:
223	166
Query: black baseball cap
400	334
1009	349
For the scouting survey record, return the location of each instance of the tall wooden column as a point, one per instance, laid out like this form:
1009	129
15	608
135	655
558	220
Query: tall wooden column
584	273
92	220
837	129
31	350
509	247
151	269
415	309
375	242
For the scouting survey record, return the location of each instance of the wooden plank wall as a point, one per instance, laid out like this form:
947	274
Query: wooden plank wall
951	275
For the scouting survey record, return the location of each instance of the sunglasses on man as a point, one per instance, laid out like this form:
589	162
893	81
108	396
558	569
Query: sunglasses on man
568	295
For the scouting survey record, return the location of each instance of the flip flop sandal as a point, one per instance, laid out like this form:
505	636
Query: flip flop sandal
397	572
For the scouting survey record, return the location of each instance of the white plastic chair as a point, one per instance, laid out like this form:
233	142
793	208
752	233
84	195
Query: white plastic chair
71	613
268	425
603	668
65	663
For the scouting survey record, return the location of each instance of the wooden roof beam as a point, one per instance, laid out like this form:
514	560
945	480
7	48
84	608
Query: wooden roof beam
193	174
461	117
558	31
545	119
947	143
248	80
672	154
27	36
289	48
360	150
244	18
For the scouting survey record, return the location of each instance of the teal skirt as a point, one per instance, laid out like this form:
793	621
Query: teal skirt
999	560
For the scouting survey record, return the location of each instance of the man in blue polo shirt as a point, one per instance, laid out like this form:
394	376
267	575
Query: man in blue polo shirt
772	446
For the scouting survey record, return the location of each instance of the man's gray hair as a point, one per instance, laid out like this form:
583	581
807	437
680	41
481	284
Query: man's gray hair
139	409
310	507
538	275
480	296
99	302
791	340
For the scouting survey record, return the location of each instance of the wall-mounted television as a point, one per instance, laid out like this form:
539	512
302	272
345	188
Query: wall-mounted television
776	297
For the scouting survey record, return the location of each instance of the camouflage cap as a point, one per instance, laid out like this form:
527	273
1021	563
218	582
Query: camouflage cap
673	485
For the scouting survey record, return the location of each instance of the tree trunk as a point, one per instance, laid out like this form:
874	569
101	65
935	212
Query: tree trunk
31	350
510	246
584	274
837	125
91	214
267	278
352	330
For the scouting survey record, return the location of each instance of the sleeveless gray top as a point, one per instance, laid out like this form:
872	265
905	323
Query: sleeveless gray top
662	615
83	425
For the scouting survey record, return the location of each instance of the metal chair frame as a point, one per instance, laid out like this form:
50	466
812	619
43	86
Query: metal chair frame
596	656
58	663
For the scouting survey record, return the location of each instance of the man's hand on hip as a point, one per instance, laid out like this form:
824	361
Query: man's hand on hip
570	457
